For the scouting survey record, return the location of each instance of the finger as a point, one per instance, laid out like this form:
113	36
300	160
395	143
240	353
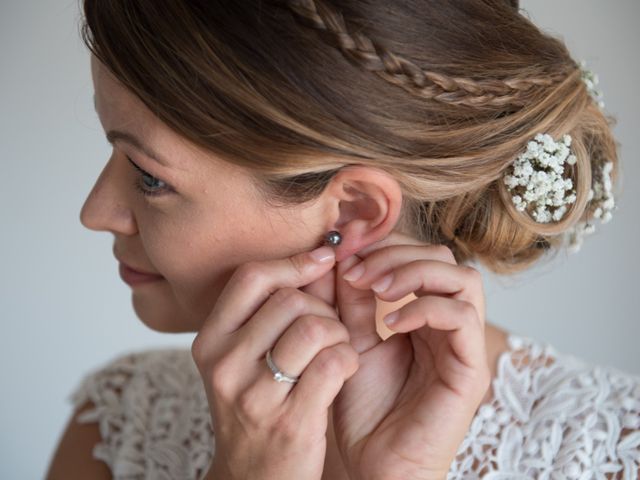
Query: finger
358	306
423	277
307	336
296	349
322	380
252	284
457	317
274	317
323	288
394	238
380	262
246	348
357	310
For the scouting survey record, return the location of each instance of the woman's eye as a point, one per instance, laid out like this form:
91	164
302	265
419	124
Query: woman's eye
147	184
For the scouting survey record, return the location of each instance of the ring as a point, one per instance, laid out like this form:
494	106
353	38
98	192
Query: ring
279	375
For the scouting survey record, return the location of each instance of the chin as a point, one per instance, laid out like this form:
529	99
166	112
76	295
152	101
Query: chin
162	316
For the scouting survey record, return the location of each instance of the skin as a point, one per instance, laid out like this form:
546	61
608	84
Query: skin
206	199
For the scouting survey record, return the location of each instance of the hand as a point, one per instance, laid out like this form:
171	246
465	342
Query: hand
411	402
266	429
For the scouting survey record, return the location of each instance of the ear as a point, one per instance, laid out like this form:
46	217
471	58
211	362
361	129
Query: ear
364	205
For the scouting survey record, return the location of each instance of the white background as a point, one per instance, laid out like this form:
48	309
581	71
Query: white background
65	309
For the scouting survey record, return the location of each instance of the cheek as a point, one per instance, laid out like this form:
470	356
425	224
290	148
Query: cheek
196	265
197	295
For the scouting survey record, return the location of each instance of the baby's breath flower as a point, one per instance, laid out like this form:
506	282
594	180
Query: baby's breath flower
539	169
538	186
600	197
591	80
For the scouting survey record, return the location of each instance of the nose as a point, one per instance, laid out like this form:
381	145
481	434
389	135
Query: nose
106	207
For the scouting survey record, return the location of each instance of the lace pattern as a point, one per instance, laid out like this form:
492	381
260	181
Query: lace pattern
551	416
153	416
554	417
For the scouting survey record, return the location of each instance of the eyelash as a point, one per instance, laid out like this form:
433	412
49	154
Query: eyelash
137	185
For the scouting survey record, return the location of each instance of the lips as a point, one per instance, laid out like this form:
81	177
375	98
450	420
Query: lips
132	274
138	270
134	278
133	268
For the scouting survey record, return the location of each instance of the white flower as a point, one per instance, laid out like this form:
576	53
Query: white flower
536	180
591	80
549	144
539	169
533	148
557	215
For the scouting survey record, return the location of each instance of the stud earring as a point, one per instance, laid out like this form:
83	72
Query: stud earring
333	238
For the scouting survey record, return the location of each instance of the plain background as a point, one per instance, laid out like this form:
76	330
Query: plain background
66	311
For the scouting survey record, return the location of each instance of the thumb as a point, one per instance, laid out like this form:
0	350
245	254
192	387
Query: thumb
252	283
323	288
357	309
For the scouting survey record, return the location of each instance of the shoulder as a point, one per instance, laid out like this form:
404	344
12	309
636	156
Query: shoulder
552	412
118	404
132	383
73	455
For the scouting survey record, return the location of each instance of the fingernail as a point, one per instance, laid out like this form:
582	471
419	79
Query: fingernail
354	272
391	318
382	284
322	254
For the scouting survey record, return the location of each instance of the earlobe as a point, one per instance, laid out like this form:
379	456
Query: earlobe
368	203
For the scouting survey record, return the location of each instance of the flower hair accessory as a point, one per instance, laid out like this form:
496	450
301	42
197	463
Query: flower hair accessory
602	197
537	183
591	80
537	179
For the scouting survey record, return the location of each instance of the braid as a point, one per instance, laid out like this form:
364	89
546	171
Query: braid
370	55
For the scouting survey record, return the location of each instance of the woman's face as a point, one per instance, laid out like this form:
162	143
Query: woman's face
203	221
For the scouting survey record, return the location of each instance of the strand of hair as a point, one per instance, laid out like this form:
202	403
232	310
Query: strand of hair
438	87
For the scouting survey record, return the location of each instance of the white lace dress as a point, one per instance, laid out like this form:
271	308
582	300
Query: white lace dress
552	416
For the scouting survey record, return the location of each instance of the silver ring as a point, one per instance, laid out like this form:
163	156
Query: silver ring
279	375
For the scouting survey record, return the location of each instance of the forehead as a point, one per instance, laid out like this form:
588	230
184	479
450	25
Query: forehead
120	109
112	99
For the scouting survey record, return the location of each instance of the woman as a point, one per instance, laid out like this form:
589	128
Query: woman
245	136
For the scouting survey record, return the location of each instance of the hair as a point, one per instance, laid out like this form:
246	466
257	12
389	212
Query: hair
442	95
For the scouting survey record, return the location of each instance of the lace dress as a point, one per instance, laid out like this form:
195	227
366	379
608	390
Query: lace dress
552	416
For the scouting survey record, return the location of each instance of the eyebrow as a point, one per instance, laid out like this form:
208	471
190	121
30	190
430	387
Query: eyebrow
113	135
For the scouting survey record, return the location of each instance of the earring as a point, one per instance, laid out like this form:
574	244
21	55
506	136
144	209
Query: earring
333	238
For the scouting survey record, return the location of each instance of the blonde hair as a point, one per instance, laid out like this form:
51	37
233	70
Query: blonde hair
441	95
